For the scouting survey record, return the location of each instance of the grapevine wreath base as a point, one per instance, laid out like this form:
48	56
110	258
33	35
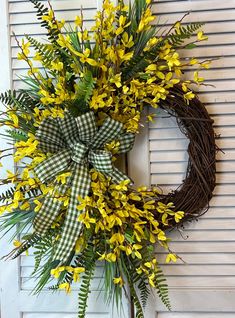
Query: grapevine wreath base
81	107
194	194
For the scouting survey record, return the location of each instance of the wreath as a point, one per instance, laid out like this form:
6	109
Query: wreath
81	106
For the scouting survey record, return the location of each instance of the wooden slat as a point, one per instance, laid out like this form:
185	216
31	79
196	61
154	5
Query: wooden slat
172	167
182	155
62	315
175	133
28	284
73	5
201	247
209	282
204	16
195	270
194	314
29	18
36	29
177	178
205	236
192	6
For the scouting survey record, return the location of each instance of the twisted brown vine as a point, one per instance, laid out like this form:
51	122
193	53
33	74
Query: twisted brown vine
194	194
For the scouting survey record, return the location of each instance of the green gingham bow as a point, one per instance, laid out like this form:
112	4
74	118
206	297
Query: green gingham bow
76	144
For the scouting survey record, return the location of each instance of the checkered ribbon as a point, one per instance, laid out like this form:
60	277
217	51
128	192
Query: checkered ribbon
76	144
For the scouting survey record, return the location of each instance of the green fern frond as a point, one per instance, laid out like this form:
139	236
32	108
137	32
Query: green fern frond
22	102
138	308
46	52
52	33
7	195
135	65
84	92
85	290
177	38
140	281
162	288
42	248
31	240
144	292
17	134
8	97
88	260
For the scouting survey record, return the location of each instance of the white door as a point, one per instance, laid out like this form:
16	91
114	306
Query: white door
205	286
16	298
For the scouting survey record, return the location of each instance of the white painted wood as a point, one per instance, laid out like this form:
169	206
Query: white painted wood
205	285
16	287
194	315
9	278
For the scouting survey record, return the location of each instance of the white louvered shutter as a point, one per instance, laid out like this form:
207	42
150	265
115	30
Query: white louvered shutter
205	286
16	286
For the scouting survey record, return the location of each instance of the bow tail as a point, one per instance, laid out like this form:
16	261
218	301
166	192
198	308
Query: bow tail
49	211
71	228
118	176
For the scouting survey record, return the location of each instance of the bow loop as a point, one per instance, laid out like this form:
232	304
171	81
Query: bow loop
108	132
101	160
50	137
86	126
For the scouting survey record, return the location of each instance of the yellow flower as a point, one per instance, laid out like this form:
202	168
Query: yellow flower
49	16
118	281
161	236
79	245
197	79
201	36
78	21
124	56
151	280
65	286
193	61
11	176
37	57
171	257
116	79
177	27
122	25
25	206
110	257
117	238
146	18
58	66
14	118
122	186
149	205
84	57
150	117
76	271
62	178
173	60
86	220
86	202
38	205
189	95
178	216
25	47
127	42
57	271
17	243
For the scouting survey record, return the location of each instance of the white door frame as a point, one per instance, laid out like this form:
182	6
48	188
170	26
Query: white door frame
9	275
